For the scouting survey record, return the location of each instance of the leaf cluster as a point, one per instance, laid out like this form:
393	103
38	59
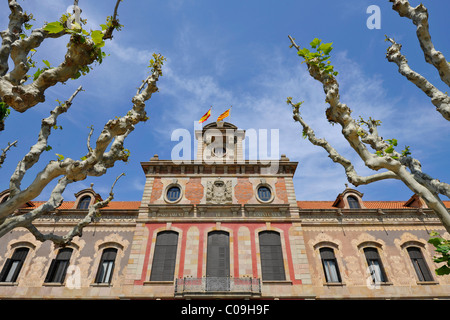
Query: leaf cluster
442	246
4	111
320	57
79	35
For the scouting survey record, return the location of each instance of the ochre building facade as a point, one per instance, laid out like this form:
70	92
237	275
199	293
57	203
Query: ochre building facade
224	227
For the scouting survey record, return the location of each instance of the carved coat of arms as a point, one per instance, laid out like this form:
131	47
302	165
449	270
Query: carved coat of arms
219	192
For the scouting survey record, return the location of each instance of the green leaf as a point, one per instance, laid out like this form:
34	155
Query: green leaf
37	73
60	157
54	27
97	37
48	148
46	63
442	271
326	48
303	52
389	149
315	42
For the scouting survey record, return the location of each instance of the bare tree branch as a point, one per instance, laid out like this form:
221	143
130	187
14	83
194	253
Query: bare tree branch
439	99
93	213
350	171
419	16
385	157
95	163
32	157
81	53
4	151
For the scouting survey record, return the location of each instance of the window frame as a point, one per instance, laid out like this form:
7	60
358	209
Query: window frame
18	260
170	262
83	204
267	259
166	192
269	187
109	255
421	268
58	267
368	251
354	201
329	257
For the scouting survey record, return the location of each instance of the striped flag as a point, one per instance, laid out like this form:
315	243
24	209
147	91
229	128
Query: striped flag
224	115
205	116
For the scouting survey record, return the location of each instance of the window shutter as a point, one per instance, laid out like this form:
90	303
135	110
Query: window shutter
51	270
218	255
164	258
5	270
420	266
271	253
19	255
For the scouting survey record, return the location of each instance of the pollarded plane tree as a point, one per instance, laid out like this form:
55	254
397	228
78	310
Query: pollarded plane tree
362	134
23	88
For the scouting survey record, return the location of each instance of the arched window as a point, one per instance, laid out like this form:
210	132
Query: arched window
12	266
58	267
106	267
353	203
420	266
84	203
330	266
164	258
375	266
272	264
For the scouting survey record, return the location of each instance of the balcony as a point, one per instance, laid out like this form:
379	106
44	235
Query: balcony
226	287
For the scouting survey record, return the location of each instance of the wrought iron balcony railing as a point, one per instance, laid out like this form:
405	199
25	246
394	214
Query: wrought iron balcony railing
218	285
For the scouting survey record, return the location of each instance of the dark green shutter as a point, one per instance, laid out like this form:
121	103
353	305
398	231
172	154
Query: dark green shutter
420	266
272	264
164	258
218	255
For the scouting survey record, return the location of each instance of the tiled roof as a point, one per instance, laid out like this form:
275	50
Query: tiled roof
368	204
113	205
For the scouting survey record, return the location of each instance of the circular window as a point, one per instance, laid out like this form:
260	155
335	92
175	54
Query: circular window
264	193
173	193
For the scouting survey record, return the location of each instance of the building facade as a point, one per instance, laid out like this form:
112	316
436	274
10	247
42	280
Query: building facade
225	227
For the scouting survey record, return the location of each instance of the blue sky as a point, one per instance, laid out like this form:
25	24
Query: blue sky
224	53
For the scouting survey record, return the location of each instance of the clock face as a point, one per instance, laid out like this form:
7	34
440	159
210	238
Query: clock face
220	151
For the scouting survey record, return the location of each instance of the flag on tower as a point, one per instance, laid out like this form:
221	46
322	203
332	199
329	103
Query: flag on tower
205	116
224	115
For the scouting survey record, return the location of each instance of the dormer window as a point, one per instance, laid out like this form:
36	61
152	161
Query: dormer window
353	203
84	203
